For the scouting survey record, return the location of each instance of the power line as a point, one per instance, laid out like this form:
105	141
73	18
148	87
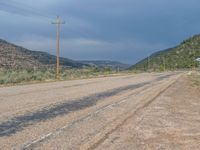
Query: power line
16	7
22	9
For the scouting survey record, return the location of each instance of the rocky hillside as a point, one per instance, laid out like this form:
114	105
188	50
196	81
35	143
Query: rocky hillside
16	57
182	56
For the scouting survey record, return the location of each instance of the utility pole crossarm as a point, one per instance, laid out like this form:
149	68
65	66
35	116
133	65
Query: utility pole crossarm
58	22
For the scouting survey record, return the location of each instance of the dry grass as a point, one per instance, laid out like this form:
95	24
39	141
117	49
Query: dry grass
10	77
195	78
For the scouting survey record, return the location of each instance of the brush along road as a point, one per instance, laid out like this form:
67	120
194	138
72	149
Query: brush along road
143	111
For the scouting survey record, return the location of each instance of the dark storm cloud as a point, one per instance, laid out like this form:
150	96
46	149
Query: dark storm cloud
124	30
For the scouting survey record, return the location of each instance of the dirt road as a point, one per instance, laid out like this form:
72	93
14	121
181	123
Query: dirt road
144	111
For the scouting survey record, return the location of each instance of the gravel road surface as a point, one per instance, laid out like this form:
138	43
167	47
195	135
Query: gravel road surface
139	111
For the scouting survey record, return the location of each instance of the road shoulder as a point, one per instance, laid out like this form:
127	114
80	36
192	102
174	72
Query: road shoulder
172	121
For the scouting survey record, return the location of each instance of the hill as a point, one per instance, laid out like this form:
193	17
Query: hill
16	57
180	57
104	64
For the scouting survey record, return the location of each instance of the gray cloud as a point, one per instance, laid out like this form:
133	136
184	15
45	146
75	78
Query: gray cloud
124	30
83	49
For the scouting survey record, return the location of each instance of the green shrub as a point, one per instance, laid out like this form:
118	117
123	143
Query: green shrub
19	76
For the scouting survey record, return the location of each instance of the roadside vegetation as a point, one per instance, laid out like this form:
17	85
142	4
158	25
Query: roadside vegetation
195	78
180	57
10	76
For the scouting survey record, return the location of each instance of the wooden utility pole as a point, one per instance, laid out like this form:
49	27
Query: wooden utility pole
148	62
164	64
58	23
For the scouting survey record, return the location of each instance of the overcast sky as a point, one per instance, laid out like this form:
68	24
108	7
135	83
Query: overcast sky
121	30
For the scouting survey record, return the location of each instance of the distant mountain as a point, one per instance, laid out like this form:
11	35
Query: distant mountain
180	57
110	64
16	57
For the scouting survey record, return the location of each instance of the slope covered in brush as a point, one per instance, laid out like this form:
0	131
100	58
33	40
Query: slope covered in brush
180	57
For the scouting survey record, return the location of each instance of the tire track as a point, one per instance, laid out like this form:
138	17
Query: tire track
18	123
50	89
129	114
61	87
43	138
